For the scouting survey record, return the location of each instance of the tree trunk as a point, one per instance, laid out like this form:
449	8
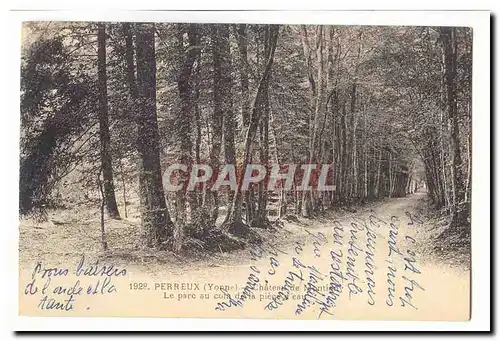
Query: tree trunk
353	192
242	38
344	155
459	213
134	96
282	203
226	96
155	215
261	219
379	168
469	157
106	163
104	242
365	157
195	206
317	106
184	121
233	219
124	190
391	175
217	117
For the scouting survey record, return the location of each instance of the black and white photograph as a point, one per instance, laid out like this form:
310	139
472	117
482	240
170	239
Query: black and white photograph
246	170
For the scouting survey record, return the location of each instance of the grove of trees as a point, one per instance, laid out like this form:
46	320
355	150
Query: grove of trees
105	107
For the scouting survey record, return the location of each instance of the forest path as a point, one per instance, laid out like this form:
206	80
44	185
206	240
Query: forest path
427	288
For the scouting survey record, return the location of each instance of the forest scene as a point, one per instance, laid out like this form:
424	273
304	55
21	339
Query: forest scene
107	107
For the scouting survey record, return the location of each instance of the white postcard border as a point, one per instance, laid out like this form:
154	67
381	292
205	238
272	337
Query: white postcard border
478	20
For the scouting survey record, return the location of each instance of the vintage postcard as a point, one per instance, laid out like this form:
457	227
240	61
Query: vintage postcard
246	169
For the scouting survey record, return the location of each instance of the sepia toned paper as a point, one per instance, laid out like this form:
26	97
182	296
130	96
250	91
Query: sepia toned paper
255	171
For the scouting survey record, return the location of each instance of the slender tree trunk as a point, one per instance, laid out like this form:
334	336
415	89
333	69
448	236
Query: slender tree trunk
305	205
133	105
242	38
345	154
408	187
198	123
104	242
282	204
317	106
217	116
261	216
460	211
354	123
379	168
106	163
124	189
391	175
226	87
233	218
436	174
365	157
469	157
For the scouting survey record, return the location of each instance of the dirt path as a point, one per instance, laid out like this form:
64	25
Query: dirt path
350	268
437	291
